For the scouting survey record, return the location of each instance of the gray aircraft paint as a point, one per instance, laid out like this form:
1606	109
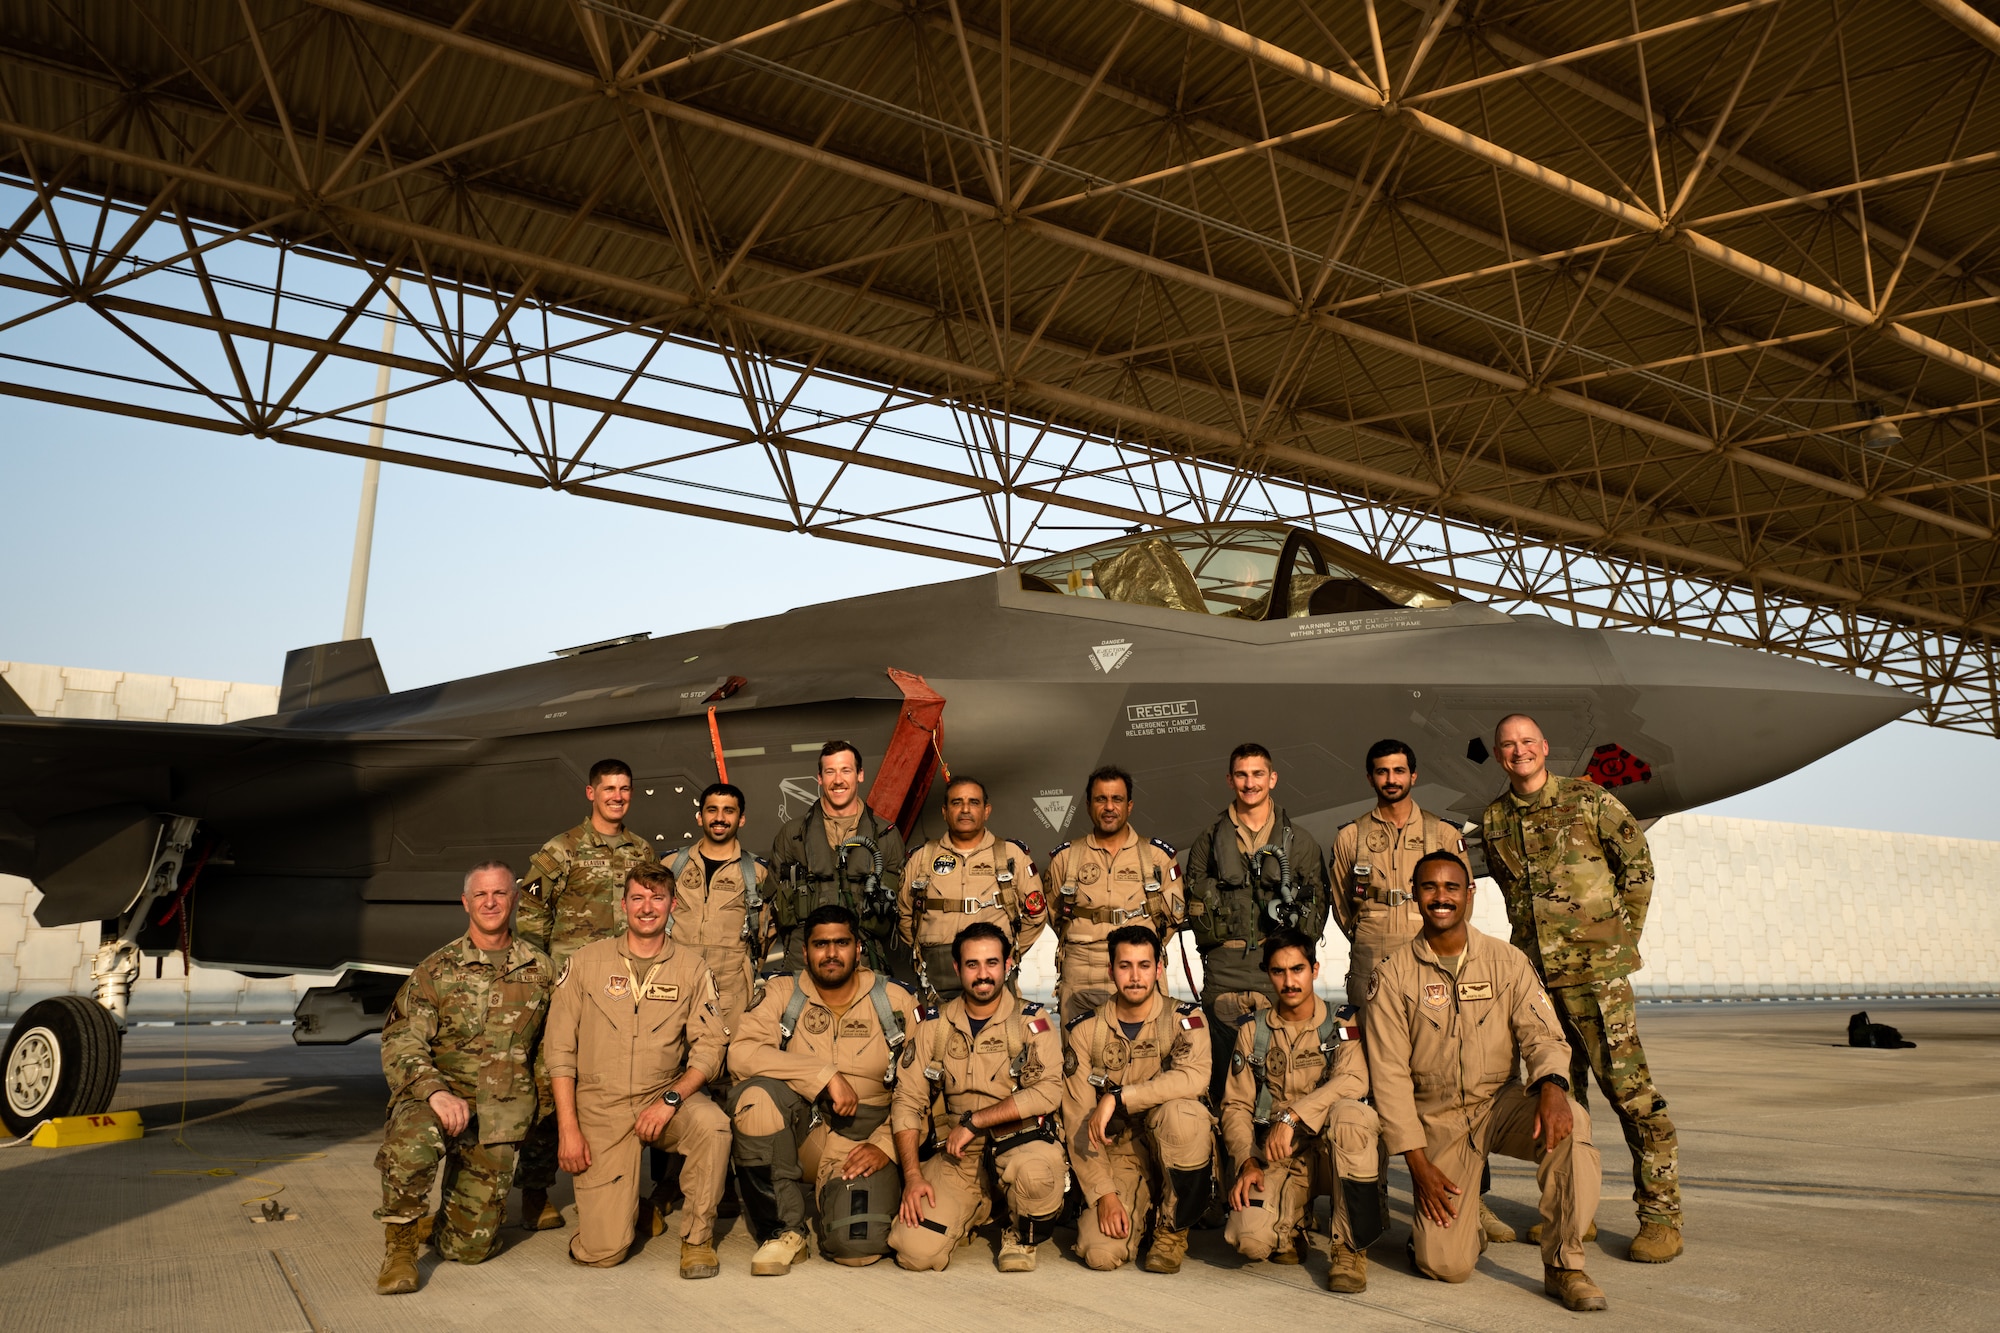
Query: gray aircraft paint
344	827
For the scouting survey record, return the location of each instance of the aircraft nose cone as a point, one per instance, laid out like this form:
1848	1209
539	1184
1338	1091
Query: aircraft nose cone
1735	718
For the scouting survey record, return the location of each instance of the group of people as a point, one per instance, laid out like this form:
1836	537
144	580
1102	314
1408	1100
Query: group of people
885	1089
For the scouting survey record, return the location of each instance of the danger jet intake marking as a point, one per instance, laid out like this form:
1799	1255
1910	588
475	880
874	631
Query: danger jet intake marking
1054	808
1169	717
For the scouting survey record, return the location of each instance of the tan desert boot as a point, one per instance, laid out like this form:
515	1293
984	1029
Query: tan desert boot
775	1257
1573	1287
699	1260
1169	1248
1656	1243
399	1260
1349	1271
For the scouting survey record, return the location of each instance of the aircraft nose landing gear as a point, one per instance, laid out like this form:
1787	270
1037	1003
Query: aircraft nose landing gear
62	1058
64	1055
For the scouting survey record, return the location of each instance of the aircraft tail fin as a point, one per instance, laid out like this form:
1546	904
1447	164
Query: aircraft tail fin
331	673
914	756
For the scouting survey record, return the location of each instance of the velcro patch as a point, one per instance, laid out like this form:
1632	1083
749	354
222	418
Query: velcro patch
1475	990
660	990
932	1224
1034	903
1037	1025
617	987
1435	994
1192	1022
1349	1031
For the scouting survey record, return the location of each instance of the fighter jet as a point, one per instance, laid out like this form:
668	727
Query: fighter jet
333	835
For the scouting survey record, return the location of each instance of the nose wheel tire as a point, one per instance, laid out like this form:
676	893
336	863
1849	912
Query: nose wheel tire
62	1058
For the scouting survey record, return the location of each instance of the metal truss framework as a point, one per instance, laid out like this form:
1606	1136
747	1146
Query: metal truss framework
1679	316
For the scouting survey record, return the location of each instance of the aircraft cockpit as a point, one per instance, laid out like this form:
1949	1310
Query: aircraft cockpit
1241	571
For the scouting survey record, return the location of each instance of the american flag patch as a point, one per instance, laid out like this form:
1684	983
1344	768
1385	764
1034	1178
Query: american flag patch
1038	1025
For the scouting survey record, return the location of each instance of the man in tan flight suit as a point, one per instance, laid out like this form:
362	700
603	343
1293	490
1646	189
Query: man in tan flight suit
633	1035
570	897
1294	1118
1373	859
719	900
1449	1016
719	890
815	1068
995	1062
1112	878
967	875
1134	1071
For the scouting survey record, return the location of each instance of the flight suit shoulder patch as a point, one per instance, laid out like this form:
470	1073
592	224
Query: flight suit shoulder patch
564	976
1076	1022
1166	847
1191	1018
1347	1023
1069	1061
1058	851
1037	1025
927	1013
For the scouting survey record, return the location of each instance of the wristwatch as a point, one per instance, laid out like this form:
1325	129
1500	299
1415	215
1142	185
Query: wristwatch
1287	1118
672	1099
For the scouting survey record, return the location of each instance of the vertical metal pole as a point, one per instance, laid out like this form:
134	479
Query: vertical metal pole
371	478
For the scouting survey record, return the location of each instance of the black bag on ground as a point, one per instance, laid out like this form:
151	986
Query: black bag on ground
1861	1032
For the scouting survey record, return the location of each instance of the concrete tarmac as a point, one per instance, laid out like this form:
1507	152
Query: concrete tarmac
1826	1188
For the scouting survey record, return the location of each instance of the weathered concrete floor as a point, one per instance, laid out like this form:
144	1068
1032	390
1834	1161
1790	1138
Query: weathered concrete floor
1826	1188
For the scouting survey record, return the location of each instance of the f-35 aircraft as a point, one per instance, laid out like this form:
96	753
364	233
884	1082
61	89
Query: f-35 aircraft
334	834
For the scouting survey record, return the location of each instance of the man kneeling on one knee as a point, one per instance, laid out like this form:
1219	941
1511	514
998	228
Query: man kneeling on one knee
1449	1015
815	1064
1134	1072
1292	1114
993	1062
633	1035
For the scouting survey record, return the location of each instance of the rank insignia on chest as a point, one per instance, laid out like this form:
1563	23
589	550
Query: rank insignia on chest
944	864
1475	990
1037	1025
617	987
1435	994
660	990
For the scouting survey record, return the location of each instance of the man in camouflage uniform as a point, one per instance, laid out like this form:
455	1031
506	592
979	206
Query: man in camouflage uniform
966	876
569	899
1112	878
1251	873
1578	878
458	1050
841	853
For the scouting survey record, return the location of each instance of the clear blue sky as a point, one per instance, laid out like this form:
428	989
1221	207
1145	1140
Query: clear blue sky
149	548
